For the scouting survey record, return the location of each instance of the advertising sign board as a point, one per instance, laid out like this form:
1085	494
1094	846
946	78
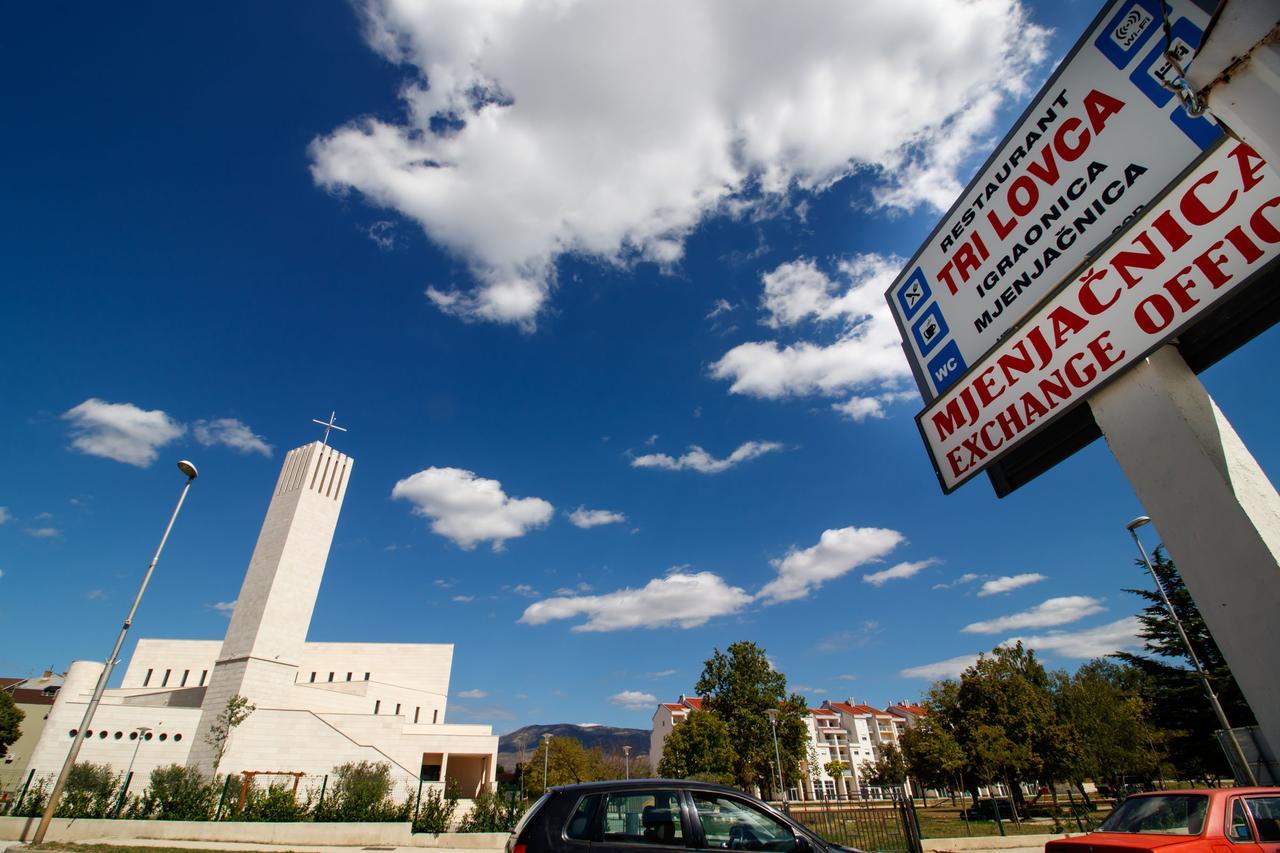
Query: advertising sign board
1214	230
1101	139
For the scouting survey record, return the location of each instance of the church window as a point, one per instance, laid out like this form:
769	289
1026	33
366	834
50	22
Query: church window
204	673
416	712
72	732
177	738
435	716
348	676
147	736
366	676
313	678
331	676
119	735
133	735
186	673
102	734
397	709
377	705
147	678
164	682
163	736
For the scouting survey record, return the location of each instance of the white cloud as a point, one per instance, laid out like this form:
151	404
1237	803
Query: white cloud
383	234
864	361
1088	642
525	590
679	599
121	431
472	694
226	608
1009	583
949	668
96	595
838	552
967	577
583	517
231	432
722	306
634	700
5	517
846	677
662	673
898	572
43	532
703	462
1054	611
611	131
463	599
469	509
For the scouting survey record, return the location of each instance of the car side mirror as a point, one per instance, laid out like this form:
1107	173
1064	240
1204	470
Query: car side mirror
803	845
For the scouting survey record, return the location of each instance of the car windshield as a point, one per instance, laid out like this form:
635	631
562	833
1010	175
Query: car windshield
1166	814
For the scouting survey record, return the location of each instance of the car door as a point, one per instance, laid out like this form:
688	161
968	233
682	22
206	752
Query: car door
1238	829
1265	811
726	822
648	820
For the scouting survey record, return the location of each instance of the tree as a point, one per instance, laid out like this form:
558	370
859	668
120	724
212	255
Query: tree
236	712
11	717
1103	705
1005	719
568	762
933	756
740	686
1174	697
699	748
888	770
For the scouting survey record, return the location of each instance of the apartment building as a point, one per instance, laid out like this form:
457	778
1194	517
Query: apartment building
848	732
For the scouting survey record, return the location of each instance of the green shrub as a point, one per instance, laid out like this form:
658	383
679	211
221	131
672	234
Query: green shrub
276	803
34	802
178	792
492	812
435	811
91	791
361	791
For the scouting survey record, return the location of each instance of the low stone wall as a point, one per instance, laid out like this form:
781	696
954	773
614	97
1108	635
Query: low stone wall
990	842
316	834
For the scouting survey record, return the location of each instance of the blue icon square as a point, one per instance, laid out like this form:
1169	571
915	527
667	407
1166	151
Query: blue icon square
946	367
930	329
913	293
1130	29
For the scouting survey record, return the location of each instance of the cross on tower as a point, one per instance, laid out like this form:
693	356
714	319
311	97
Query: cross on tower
328	425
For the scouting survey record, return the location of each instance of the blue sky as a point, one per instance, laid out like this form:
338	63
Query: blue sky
535	260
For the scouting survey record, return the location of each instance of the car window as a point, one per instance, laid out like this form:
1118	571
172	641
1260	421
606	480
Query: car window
580	826
1266	817
643	817
1162	814
1238	828
733	825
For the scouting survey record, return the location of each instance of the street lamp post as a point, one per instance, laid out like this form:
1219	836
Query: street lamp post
1250	779
141	732
773	721
38	838
626	758
546	752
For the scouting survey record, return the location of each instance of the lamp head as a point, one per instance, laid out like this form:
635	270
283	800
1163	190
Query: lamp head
1138	522
187	468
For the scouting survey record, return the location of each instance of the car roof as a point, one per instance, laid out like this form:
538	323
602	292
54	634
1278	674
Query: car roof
1222	792
646	784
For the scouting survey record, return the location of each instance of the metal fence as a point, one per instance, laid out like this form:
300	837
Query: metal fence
885	828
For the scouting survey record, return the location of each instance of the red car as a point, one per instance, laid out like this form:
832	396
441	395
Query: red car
1205	820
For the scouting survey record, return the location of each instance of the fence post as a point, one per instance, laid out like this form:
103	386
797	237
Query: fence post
223	798
995	801
417	804
323	784
1075	814
124	793
913	829
23	795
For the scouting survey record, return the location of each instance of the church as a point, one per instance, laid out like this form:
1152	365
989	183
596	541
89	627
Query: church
317	705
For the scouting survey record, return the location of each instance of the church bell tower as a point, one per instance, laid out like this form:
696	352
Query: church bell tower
263	645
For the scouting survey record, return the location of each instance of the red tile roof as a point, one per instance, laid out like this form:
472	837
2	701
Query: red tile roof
858	709
693	702
672	706
914	710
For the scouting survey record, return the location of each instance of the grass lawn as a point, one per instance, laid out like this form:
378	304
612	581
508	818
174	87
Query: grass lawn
945	822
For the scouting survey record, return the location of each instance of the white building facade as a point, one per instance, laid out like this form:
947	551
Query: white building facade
317	705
